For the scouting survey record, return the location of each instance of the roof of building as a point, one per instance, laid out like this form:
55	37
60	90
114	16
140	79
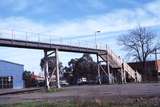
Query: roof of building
153	64
158	60
11	62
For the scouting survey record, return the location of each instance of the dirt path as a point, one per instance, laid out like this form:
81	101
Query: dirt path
109	92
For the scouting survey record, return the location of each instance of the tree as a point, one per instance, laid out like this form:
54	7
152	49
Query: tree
140	43
28	79
51	67
81	67
26	75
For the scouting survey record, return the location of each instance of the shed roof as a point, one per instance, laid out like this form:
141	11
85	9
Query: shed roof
11	62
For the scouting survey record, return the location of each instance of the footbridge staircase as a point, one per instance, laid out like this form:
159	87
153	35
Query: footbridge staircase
118	63
50	47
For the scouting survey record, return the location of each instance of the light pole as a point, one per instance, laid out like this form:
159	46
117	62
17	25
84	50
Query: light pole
96	38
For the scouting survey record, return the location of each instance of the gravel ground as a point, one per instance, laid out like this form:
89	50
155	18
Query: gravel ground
113	93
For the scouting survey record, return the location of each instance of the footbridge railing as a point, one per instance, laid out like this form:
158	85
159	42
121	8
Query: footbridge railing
53	39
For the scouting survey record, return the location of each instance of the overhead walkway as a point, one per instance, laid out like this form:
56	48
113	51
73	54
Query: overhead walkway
10	39
106	54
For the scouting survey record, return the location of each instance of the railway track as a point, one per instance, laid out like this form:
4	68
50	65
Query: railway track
19	91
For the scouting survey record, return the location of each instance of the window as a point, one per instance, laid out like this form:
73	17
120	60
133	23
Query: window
6	82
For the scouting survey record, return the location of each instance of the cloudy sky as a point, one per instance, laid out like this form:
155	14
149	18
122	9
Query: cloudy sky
72	22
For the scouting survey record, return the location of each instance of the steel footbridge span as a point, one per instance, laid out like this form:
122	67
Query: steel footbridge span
107	56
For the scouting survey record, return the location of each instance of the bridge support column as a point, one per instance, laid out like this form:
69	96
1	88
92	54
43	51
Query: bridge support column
108	67
98	69
123	74
125	81
109	75
57	69
135	80
46	75
52	58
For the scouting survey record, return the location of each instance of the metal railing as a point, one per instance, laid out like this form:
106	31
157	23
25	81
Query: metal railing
46	38
127	68
52	39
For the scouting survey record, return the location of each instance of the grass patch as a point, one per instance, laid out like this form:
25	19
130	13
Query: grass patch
52	90
79	104
39	104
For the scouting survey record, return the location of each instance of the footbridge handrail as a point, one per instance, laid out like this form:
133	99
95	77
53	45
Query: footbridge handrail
29	38
127	68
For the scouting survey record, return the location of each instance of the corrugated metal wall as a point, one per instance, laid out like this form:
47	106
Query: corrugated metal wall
11	69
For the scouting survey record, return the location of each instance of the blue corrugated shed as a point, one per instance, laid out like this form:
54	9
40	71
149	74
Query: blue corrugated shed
12	69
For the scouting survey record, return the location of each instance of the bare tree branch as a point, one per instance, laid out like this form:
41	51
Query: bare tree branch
140	43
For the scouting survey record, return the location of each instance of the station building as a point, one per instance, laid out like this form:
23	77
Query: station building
11	75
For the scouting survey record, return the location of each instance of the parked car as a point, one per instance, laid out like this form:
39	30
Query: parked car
64	83
82	81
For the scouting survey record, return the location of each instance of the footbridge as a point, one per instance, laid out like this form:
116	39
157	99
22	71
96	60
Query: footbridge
51	48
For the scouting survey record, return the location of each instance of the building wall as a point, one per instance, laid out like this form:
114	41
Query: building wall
151	72
12	69
158	65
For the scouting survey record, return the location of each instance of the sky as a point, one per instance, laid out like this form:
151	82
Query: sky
72	22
